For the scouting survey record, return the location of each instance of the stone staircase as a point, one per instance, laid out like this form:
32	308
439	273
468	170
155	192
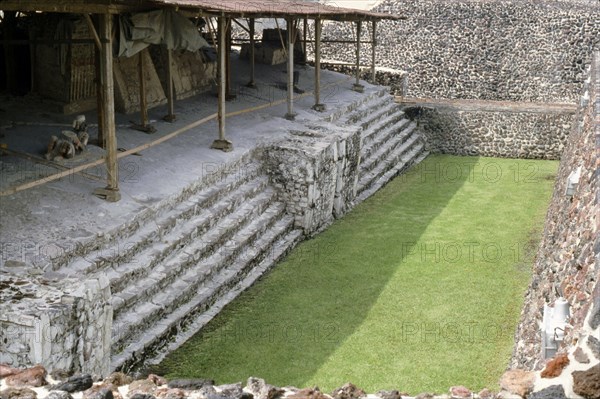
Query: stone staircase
391	142
174	266
176	270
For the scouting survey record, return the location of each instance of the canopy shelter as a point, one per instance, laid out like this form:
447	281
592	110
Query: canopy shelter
225	11
229	8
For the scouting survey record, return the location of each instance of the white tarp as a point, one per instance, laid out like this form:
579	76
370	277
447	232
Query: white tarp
158	27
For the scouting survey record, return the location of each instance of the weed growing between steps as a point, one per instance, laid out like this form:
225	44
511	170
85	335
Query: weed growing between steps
418	288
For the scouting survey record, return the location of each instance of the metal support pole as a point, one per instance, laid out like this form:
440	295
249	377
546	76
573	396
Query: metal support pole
357	86
290	70
170	117
251	31
318	106
111	191
221	143
373	44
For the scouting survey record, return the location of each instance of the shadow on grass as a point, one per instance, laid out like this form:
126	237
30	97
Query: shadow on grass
286	327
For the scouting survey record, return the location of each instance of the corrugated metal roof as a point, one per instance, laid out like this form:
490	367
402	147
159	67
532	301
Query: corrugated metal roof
277	8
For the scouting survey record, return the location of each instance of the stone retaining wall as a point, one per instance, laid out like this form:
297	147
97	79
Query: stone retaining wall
567	258
496	134
62	325
501	50
508	50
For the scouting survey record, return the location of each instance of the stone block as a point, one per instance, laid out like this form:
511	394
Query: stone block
127	85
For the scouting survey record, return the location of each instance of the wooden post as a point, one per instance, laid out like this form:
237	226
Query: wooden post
221	143
92	30
142	79
170	117
357	86
304	34
251	83
144	126
290	70
111	191
229	96
318	106
373	44
98	79
100	98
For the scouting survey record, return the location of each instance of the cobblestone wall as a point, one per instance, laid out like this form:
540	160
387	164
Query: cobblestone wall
497	134
482	49
566	259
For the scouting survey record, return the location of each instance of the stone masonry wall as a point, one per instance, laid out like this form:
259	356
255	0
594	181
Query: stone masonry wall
498	134
63	326
567	259
316	173
496	50
509	50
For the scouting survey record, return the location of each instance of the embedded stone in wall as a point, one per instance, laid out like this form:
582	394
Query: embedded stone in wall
555	366
587	382
552	392
519	382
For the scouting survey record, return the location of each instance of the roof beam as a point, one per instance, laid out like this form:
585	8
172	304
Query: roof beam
72	6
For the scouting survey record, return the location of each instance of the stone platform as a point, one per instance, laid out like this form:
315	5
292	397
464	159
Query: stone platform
93	286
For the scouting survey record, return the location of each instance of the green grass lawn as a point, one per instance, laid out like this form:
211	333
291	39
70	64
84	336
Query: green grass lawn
417	289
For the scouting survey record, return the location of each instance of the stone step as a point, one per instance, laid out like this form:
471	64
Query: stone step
369	107
280	248
380	113
181	323
384	136
420	158
132	284
388	154
412	158
121	250
373	132
343	112
384	148
249	241
121	275
367	179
